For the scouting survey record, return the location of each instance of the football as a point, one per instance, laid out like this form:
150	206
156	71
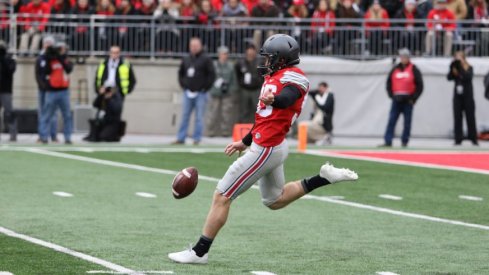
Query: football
185	182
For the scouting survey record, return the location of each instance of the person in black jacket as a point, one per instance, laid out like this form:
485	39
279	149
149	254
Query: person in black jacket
196	76
320	128
463	98
409	37
107	125
404	86
7	70
249	82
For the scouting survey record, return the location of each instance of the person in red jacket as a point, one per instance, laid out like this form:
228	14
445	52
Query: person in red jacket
404	86
440	20
377	25
322	27
33	23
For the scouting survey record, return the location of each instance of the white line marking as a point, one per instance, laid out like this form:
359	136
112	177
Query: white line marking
6	273
336	197
142	150
386	273
118	272
398	162
262	273
62	194
86	150
311	197
470	198
68	251
145	195
390	197
116	149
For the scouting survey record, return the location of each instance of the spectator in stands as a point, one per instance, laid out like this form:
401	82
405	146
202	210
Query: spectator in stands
144	31
235	37
249	82
107	125
391	6
124	35
207	14
33	25
188	8
297	11
409	37
167	35
222	104
55	75
115	73
320	127
322	28
404	87
423	7
461	73
104	34
4	22
343	39
479	12
208	35
250	4
264	9
458	7
216	5
61	7
81	35
16	4
377	25
41	63
135	4
7	70
440	21
196	76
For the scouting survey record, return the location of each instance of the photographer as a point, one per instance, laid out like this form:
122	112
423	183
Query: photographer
54	76
107	125
7	69
220	119
463	98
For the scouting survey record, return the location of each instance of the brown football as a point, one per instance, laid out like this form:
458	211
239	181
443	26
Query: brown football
185	182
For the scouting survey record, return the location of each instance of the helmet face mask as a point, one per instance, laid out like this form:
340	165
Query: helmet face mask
279	51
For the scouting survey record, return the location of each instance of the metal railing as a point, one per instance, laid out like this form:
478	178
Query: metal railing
147	36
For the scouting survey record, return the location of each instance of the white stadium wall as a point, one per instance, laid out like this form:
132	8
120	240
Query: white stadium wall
361	109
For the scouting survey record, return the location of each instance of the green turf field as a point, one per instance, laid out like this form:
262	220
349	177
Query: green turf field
105	218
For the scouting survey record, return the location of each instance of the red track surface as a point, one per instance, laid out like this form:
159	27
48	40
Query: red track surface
459	160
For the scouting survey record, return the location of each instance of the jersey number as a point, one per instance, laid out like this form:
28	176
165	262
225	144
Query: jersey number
267	111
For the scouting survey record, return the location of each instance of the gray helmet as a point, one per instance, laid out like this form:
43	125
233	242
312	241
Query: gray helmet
282	51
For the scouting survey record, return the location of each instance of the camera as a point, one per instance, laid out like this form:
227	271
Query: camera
56	51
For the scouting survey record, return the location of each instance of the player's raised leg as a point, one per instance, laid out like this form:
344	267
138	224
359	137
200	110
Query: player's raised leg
292	191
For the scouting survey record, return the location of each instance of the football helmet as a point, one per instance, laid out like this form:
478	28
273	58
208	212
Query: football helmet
279	51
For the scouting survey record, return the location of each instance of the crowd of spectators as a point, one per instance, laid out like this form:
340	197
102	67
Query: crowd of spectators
324	33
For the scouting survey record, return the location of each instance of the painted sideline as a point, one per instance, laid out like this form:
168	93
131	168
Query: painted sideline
398	162
311	197
88	258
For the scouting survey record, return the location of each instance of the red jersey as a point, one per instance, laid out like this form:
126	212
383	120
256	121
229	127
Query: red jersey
403	81
441	19
273	124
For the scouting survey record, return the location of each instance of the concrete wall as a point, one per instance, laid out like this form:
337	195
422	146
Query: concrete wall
361	109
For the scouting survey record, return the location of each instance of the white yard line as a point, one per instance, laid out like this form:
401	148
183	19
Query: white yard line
62	194
141	272
398	162
88	258
470	198
311	197
390	197
262	273
386	273
145	195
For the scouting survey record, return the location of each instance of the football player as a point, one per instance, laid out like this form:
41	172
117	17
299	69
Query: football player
282	98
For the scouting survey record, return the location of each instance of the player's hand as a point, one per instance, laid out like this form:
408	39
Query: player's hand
234	147
268	98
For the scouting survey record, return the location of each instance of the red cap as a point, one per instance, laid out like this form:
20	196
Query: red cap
298	2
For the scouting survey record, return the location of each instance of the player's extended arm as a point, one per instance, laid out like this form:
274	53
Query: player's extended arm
289	95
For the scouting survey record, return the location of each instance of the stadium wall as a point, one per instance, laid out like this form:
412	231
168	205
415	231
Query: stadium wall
362	105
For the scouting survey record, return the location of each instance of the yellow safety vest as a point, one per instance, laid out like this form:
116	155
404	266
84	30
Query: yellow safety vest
123	71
